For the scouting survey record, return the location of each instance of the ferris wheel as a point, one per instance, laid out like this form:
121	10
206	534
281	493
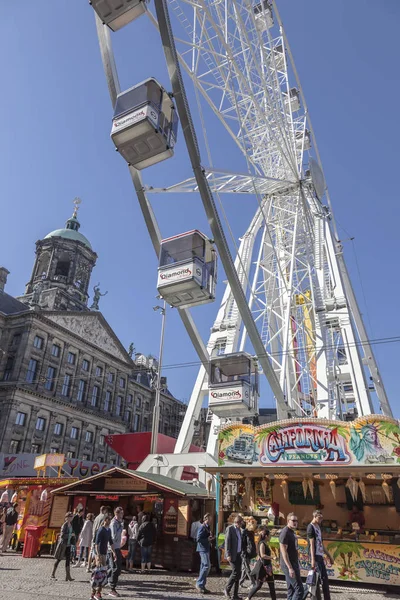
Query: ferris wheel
288	295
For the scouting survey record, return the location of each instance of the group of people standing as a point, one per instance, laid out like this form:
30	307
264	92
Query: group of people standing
240	548
101	540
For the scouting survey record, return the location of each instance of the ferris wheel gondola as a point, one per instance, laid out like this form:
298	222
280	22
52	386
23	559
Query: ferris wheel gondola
145	124
187	271
233	385
118	13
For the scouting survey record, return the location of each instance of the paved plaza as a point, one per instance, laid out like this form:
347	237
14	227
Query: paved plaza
29	579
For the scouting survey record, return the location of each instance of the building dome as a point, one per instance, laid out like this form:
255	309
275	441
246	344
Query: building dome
70	232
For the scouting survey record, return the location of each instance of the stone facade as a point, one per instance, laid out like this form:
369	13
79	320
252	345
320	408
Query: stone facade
66	381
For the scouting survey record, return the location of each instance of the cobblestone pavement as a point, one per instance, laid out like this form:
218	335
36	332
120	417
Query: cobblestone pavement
29	579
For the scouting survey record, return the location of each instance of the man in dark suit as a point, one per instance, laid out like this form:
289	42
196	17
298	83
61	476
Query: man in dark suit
233	549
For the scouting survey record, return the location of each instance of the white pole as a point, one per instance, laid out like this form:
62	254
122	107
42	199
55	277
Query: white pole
156	410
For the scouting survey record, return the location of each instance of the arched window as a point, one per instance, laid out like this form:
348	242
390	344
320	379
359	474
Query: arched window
42	265
63	264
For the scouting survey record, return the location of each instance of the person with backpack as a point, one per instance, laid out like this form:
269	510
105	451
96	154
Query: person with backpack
204	538
249	551
263	569
316	551
10	521
146	538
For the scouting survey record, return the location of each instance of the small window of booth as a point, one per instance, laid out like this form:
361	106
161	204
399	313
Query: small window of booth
349	471
171	505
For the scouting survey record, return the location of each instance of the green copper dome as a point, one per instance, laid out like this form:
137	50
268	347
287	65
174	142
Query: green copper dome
70	232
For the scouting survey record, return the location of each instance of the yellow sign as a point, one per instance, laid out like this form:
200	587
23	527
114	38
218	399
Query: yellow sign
49	460
124	484
40	461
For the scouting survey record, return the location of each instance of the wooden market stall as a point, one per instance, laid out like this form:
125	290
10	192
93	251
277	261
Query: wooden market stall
351	471
172	504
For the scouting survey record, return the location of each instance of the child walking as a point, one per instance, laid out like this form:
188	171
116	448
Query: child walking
98	579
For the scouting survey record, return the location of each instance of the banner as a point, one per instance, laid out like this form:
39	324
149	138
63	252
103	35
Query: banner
22	465
368	441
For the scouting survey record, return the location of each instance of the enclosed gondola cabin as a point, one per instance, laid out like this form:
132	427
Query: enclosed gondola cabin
187	271
303	140
263	15
293	100
233	385
145	124
118	13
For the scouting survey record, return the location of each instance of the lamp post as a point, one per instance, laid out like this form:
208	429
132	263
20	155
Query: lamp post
156	410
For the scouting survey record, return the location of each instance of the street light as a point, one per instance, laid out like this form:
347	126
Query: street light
156	410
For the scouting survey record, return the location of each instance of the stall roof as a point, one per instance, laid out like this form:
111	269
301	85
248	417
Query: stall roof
161	481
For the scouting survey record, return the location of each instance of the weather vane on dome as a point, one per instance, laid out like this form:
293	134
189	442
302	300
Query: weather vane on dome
77	202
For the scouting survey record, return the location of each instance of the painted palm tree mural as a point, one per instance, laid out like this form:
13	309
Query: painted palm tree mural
345	554
225	438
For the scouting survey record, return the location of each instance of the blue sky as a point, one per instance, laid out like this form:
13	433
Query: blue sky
55	145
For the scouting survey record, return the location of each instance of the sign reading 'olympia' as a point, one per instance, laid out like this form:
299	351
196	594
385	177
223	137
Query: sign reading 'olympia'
371	440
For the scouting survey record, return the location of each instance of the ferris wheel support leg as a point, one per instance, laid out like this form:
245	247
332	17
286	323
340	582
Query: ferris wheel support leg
353	368
212	444
322	389
366	347
191	415
209	204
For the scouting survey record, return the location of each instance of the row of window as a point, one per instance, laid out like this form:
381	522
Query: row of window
58	428
15	447
82	384
71	359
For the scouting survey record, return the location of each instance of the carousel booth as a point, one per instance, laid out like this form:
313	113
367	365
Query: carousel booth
350	471
171	504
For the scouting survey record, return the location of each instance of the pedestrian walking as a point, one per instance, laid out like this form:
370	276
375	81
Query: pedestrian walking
104	542
146	539
133	529
249	551
263	568
317	551
289	559
63	550
204	539
233	553
85	541
115	562
10	520
77	526
194	529
97	523
98	580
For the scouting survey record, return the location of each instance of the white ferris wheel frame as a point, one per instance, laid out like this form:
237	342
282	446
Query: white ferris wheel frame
299	309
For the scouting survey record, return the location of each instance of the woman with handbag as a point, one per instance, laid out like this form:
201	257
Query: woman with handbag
63	549
263	568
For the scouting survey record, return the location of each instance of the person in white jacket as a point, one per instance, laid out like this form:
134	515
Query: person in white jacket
133	533
85	540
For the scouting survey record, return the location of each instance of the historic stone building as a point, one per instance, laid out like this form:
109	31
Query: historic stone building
66	381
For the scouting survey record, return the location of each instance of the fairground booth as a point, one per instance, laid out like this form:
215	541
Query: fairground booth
171	504
34	501
351	471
